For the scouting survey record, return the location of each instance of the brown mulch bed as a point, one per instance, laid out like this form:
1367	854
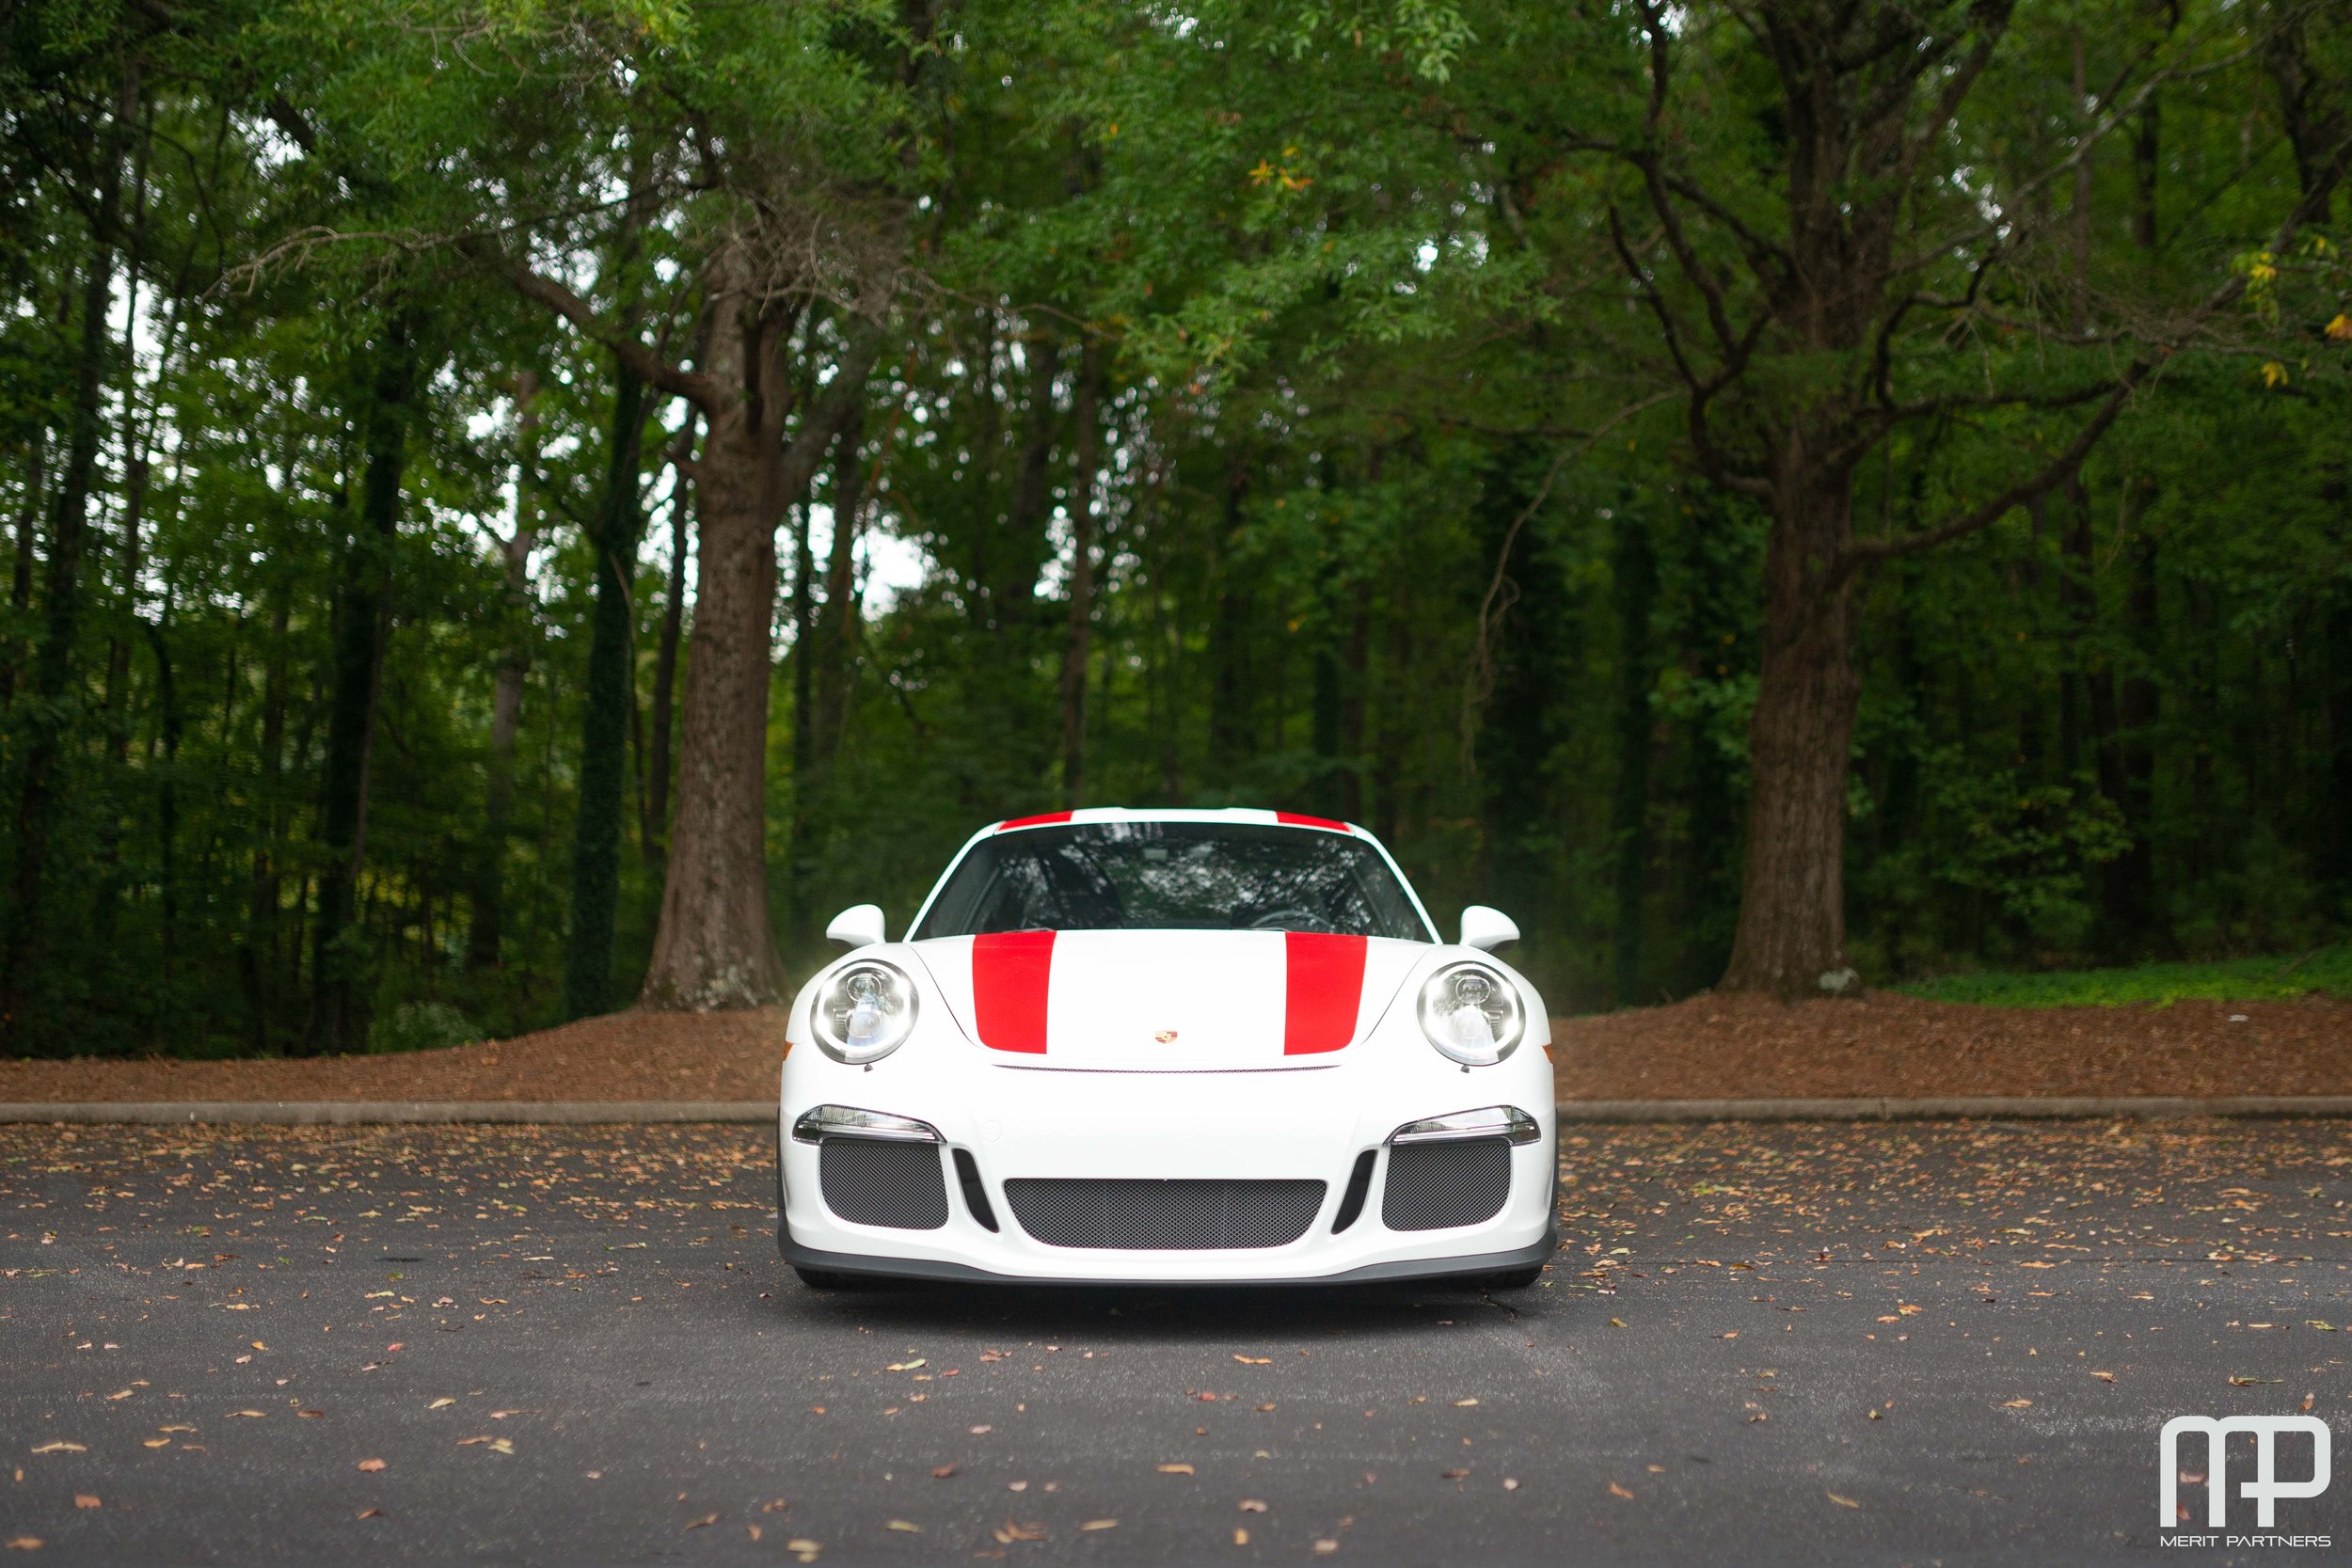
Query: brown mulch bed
1745	1047
620	1056
1710	1047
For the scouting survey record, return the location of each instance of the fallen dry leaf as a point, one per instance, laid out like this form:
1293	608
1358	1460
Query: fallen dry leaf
1255	1360
1619	1491
908	1366
441	1403
156	1443
2018	1404
1842	1502
1252	1505
371	1514
940	1472
1176	1469
2104	1377
71	1447
83	1499
1461	1404
702	1523
904	1526
982	1431
1325	1546
24	1544
371	1465
1100	1523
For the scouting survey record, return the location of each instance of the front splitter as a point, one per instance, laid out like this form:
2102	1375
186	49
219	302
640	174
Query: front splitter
918	1268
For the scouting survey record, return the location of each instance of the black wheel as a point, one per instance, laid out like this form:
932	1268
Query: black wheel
1514	1280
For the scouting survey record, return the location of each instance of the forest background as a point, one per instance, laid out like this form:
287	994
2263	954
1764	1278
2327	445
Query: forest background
518	506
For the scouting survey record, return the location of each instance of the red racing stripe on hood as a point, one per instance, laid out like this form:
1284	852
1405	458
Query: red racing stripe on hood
1010	974
1324	987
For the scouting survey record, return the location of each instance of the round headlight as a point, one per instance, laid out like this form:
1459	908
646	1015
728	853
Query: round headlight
864	1011
1472	1014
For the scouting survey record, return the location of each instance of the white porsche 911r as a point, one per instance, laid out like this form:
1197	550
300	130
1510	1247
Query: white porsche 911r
1173	1047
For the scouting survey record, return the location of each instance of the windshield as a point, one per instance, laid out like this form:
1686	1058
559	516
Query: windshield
1173	876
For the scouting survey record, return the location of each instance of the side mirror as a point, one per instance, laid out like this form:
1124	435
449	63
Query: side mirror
860	926
1487	929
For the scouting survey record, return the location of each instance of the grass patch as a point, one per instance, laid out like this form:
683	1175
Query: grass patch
2330	969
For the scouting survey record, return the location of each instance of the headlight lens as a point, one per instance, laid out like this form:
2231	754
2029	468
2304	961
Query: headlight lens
864	1012
1472	1014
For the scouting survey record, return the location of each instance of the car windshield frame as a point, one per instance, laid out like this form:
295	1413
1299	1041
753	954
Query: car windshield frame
1094	871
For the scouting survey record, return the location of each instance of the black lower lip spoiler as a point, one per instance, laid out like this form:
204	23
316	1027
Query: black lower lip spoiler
964	1273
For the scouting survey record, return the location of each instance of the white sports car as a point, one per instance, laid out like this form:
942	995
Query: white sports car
1173	1047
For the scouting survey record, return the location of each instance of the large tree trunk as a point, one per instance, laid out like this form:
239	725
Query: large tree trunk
338	962
1792	937
604	719
715	947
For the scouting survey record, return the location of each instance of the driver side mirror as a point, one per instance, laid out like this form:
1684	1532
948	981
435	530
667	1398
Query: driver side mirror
860	926
1487	929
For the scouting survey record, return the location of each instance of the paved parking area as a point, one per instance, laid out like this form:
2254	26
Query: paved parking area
1892	1343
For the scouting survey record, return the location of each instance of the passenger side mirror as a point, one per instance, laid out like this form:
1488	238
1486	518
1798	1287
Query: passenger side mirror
860	926
1487	929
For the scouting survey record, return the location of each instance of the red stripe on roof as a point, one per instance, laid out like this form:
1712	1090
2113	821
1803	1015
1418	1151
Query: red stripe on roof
1011	971
1046	821
1293	819
1322	989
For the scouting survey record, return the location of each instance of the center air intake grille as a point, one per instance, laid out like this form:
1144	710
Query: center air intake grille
1165	1216
1442	1185
876	1181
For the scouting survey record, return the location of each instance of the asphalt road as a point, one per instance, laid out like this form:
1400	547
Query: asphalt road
1910	1343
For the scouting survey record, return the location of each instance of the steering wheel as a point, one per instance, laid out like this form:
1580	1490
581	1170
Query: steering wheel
1289	918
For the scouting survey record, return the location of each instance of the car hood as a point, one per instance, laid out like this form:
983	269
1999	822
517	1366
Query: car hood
1167	1001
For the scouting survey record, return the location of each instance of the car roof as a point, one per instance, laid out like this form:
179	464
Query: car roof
1252	814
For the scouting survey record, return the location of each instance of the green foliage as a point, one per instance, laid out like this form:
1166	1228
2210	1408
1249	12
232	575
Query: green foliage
421	1026
2254	980
1395	509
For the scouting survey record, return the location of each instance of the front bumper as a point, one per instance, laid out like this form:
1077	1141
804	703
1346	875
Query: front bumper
1015	1123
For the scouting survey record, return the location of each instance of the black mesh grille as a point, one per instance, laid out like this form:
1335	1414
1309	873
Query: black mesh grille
874	1182
1165	1216
1440	1185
